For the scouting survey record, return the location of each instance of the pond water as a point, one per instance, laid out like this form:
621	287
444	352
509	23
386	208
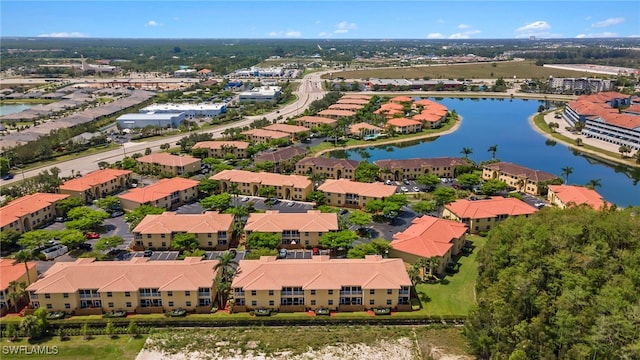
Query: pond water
504	122
13	108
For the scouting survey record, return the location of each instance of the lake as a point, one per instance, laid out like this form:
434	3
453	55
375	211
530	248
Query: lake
504	122
13	108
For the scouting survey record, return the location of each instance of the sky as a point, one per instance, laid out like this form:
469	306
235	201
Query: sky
350	19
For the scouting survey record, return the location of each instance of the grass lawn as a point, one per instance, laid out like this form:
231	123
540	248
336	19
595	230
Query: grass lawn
76	348
455	294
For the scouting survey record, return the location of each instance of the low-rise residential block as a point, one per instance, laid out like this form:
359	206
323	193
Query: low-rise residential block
399	169
97	184
168	164
12	272
315	121
404	126
166	193
519	177
219	149
265	136
29	212
289	187
565	196
482	215
347	193
327	168
296	230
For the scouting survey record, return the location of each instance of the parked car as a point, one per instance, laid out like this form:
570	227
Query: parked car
404	189
60	219
387	182
245	199
85	246
405	181
290	204
54	251
92	235
315	251
282	253
117	213
416	189
7	177
147	253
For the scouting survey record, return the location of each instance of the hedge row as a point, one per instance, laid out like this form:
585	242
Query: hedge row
77	331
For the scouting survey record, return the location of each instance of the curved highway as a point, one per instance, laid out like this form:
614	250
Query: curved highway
310	89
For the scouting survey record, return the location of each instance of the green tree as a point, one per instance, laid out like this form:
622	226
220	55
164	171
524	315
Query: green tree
29	327
360	218
429	180
85	219
424	206
35	239
493	186
109	242
222	287
72	238
108	203
318	197
360	251
263	240
208	186
17	291
9	238
444	195
594	184
267	192
566	171
133	218
65	205
5	166
336	240
255	254
110	329
226	265
366	172
84	331
24	256
493	149
220	202
466	151
12	333
468	180
133	329
184	242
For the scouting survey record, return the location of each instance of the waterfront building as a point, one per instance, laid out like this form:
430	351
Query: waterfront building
29	212
296	230
97	184
327	168
281	157
579	86
565	196
292	130
335	114
265	136
481	215
363	130
518	177
166	193
404	126
315	121
411	169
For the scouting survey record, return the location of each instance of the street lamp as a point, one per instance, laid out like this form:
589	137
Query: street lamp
124	151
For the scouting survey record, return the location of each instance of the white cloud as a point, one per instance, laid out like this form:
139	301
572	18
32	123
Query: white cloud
458	36
605	34
435	36
608	22
463	26
324	34
288	33
64	35
536	26
152	23
344	27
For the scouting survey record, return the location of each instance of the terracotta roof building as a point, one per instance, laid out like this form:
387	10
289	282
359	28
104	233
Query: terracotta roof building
518	177
279	158
364	129
296	230
567	195
29	212
315	121
356	96
399	169
335	284
212	230
404	125
347	193
89	287
334	114
327	168
166	193
481	215
429	237
265	136
218	149
166	163
355	101
97	184
343	106
401	99
289	187
286	128
10	270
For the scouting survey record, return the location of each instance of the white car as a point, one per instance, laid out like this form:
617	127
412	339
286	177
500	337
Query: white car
404	189
416	189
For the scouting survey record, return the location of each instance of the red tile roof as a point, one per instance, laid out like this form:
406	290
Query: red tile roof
275	222
286	128
169	222
356	96
93	178
342	106
355	128
428	236
372	272
401	99
420	162
264	178
27	205
520	171
345	186
578	195
167	159
329	162
283	154
266	134
221	144
356	101
316	120
11	270
159	190
402	122
490	208
329	112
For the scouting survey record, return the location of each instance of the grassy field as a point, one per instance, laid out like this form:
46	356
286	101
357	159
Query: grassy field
76	348
455	294
506	70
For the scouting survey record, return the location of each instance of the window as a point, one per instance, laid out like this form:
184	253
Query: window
110	304
49	306
271	303
313	292
187	293
188	303
372	302
372	291
128	304
330	292
210	243
313	302
388	301
169	293
330	302
109	294
254	303
47	296
253	293
127	294
389	291
270	292
170	303
65	295
67	306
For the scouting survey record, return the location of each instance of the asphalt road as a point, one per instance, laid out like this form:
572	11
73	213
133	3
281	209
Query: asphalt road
310	89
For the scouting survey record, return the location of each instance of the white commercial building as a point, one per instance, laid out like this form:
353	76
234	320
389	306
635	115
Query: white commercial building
190	110
163	120
261	94
580	85
260	72
185	73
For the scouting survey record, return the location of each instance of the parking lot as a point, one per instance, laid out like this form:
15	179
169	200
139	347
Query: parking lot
157	255
284	206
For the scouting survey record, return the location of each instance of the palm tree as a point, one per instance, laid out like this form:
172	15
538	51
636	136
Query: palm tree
422	264
434	263
466	152
24	256
18	290
222	287
637	156
492	149
566	171
594	183
226	265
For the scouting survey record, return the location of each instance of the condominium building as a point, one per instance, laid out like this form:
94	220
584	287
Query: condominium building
334	114
399	169
347	193
265	136
292	130
89	287
212	230
12	272
343	106
482	215
327	168
281	158
219	149
166	193
565	196
97	184
429	237
354	101
363	130
291	285
315	121
168	164
404	126
296	230
580	86
289	187
29	212
519	177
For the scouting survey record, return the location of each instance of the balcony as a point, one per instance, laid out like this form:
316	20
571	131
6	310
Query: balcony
292	293
352	292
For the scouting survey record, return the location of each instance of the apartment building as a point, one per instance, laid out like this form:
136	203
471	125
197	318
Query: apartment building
296	230
280	158
292	285
347	193
263	136
429	237
166	193
354	101
89	287
343	106
315	121
580	86
288	187
29	212
212	230
519	177
11	271
399	169
564	196
335	114
482	215
327	168
219	149
292	130
97	184
404	126
362	130
165	163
